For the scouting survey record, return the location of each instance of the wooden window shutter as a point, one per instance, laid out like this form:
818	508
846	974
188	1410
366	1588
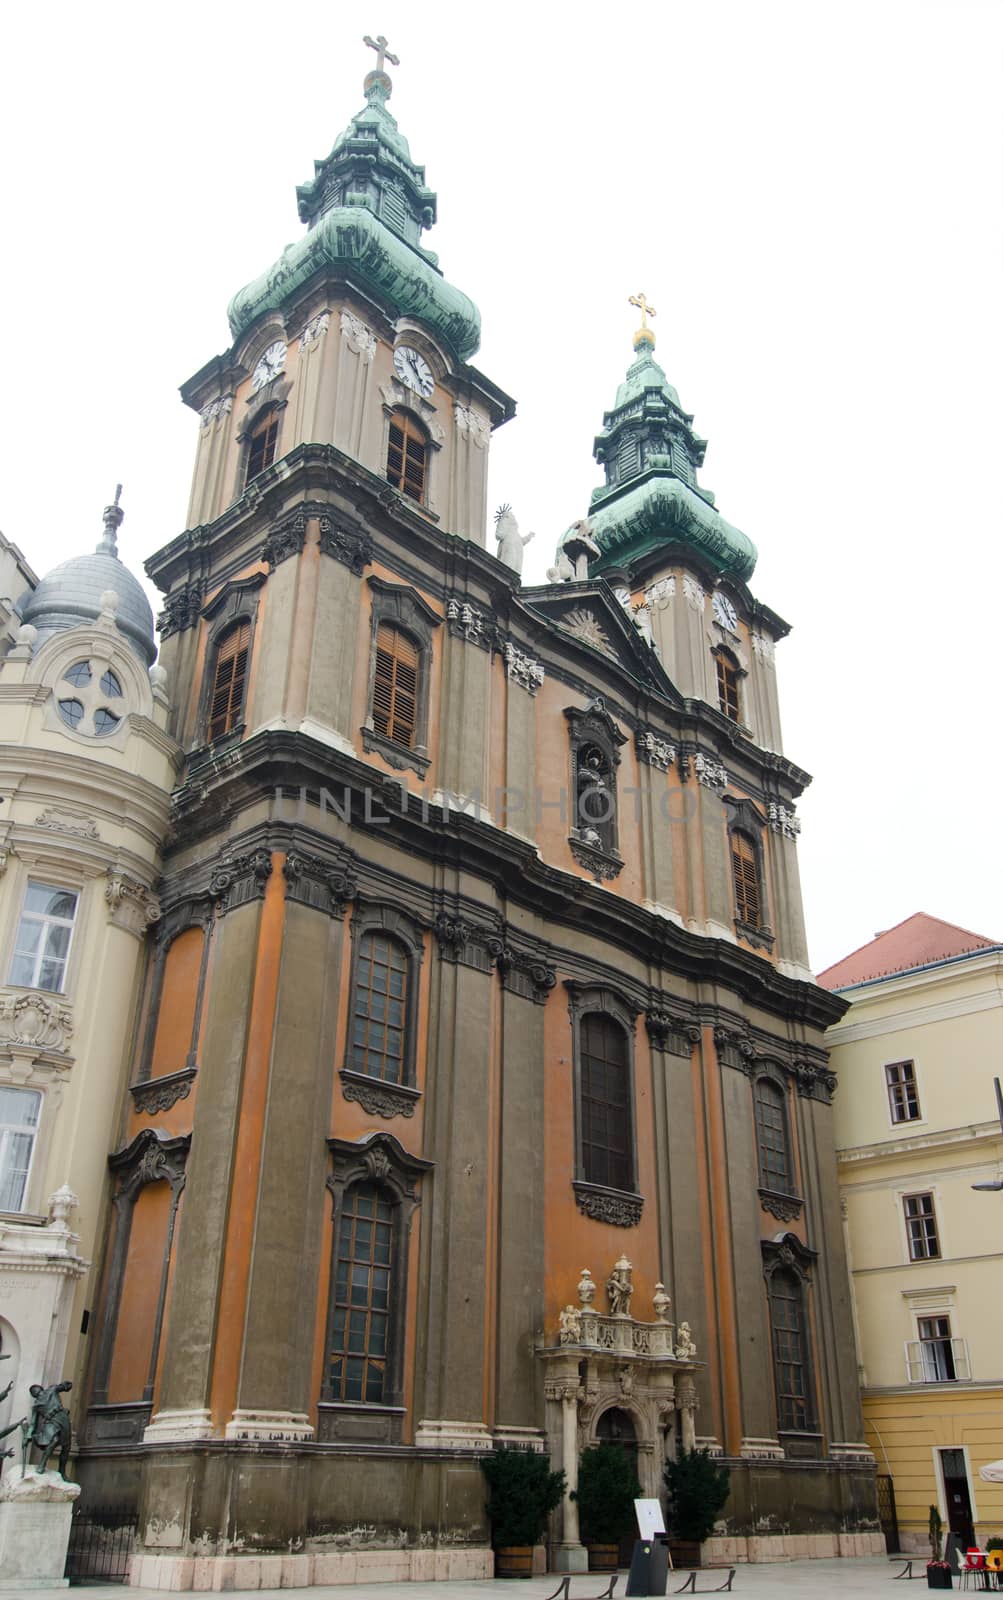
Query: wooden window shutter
229	677
727	685
407	456
261	448
745	872
395	686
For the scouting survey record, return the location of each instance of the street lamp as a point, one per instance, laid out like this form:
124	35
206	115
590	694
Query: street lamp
997	1185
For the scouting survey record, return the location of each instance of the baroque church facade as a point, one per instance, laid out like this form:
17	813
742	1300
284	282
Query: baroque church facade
479	961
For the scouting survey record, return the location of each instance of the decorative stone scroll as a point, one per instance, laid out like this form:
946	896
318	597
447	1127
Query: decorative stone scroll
735	1050
286	539
464	621
763	648
660	593
608	1205
357	336
351	546
238	881
159	1094
524	972
130	904
378	1098
325	885
523	669
671	1033
220	407
785	1207
57	820
34	1022
471	426
181	609
653	750
814	1082
600	863
783	820
710	773
696	598
315	330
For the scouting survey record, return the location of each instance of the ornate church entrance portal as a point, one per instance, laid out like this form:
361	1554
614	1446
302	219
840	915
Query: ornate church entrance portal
617	1427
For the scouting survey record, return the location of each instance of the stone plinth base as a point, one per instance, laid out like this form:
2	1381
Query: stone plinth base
571	1558
725	1552
321	1567
35	1513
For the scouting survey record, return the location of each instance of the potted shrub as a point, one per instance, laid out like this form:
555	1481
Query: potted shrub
938	1572
697	1490
523	1493
607	1489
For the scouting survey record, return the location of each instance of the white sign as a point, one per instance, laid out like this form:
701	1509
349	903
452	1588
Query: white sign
649	1518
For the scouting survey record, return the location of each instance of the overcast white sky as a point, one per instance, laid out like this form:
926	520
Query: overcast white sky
810	194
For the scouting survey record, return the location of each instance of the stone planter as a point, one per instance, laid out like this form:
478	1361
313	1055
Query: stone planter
514	1561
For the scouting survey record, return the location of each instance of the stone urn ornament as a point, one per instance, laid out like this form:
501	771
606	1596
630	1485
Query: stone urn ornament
586	1289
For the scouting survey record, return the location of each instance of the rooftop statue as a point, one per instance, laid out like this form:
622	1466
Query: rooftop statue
575	549
510	541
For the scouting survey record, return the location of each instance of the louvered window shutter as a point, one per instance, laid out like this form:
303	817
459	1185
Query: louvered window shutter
628	459
227	698
746	876
394	208
395	686
407	456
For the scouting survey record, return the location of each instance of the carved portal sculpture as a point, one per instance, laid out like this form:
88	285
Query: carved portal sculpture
510	541
48	1427
571	1325
619	1288
685	1348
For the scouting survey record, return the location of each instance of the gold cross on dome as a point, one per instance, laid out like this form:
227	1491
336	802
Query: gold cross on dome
379	44
645	309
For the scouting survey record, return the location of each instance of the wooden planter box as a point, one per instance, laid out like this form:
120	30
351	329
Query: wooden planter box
938	1578
604	1557
514	1561
685	1552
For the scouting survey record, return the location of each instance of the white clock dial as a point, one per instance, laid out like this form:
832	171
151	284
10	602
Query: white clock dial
270	365
413	370
725	613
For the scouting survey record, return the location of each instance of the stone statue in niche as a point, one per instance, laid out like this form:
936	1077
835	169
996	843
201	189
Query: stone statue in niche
574	551
619	1288
48	1427
571	1325
586	1288
685	1348
510	541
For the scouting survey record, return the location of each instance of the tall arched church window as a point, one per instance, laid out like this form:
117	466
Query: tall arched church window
727	684
379	1009
395	685
229	680
262	443
359	1322
792	1373
606	1137
776	1171
407	455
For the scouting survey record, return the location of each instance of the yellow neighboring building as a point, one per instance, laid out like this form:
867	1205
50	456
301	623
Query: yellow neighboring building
916	1127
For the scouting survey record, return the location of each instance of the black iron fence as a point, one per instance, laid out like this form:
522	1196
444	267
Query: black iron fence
100	1545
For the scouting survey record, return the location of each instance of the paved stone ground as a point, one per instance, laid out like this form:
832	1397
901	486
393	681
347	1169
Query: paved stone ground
860	1578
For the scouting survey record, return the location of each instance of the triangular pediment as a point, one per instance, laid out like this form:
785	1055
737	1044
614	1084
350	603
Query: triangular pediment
590	614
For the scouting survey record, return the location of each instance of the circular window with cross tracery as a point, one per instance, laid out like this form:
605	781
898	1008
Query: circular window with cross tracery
96	705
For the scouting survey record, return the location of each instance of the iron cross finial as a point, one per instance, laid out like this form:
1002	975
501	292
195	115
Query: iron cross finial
645	309
379	44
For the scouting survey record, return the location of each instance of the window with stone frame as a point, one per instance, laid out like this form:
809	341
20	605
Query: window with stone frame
359	1324
379	1009
400	672
43	937
606	1120
727	684
261	444
229	680
20	1110
407	455
793	1377
921	1227
595	756
395	685
903	1094
747	856
745	880
776	1168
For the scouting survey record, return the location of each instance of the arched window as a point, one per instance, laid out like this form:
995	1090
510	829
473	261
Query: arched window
262	442
745	876
775	1165
792	1375
727	684
379	1009
395	686
229	680
359	1321
407	455
606	1131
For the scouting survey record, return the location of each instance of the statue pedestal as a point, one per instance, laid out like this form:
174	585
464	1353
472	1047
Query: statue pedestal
35	1513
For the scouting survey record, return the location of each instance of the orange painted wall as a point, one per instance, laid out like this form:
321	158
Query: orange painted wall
177	1009
138	1306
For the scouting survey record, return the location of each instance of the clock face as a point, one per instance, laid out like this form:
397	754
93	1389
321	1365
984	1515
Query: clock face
413	370
270	365
725	613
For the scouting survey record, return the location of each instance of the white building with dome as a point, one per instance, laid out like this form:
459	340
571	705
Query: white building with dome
86	770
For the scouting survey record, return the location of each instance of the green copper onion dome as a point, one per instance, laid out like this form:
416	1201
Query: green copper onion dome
366	209
651	497
70	594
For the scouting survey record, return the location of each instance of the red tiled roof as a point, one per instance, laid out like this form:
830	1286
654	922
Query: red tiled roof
916	942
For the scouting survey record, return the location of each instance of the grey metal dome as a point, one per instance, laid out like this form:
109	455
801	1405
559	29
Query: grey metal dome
71	593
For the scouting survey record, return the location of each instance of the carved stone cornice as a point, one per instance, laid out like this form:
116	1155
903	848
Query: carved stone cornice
523	969
182	609
33	1021
814	1082
600	863
783	820
524	972
159	1094
785	1207
735	1050
238	881
523	669
149	1157
465	621
378	1098
653	750
286	539
130	904
710	773
788	1251
608	1205
671	1033
323	884
351	546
